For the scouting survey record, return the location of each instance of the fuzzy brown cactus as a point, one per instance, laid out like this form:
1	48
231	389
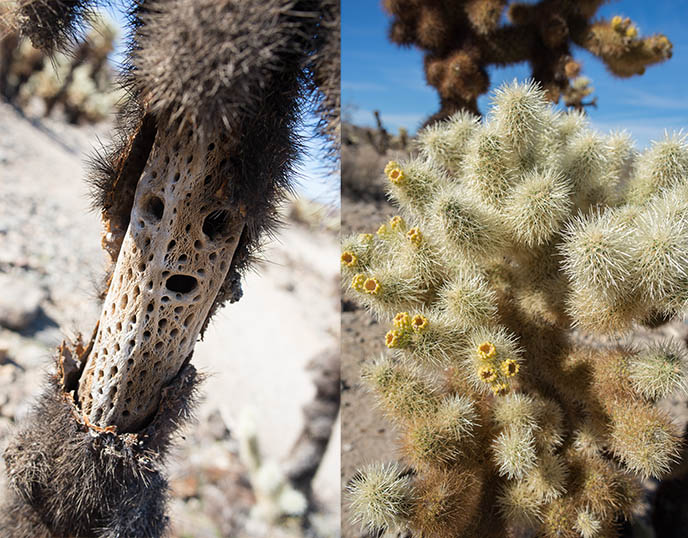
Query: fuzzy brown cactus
462	39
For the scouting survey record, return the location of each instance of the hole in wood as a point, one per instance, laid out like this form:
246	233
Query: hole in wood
215	223
181	283
155	208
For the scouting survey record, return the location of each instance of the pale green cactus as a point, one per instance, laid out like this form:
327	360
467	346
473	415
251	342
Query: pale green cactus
512	232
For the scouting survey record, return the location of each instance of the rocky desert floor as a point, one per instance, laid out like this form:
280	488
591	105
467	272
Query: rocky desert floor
255	352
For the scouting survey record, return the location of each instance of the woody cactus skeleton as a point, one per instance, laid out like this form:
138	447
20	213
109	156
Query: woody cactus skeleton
512	232
201	156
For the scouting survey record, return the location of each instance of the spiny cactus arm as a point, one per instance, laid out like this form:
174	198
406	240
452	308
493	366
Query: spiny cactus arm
617	44
381	496
68	479
54	24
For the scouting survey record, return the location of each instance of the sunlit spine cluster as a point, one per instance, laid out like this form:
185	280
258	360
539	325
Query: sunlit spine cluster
512	232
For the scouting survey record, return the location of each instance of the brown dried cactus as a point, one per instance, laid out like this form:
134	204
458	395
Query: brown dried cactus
462	39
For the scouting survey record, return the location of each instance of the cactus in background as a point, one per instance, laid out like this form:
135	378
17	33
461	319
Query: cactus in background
462	39
81	82
276	497
512	232
201	157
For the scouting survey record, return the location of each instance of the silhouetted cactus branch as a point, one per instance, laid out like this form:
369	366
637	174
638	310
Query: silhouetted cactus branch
462	39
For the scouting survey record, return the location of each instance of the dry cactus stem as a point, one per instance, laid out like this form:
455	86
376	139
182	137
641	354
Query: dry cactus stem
174	258
201	157
462	39
512	232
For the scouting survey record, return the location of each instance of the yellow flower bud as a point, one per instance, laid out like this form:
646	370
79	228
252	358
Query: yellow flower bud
391	165
617	23
487	374
358	281
372	286
486	350
397	223
509	367
393	338
415	236
396	176
349	259
419	323
402	320
500	389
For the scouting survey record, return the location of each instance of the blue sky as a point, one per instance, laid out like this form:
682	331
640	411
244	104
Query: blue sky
377	75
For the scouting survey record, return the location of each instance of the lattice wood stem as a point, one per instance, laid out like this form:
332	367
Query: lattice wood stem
174	257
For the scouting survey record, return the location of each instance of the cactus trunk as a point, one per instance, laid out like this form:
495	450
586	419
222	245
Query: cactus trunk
175	256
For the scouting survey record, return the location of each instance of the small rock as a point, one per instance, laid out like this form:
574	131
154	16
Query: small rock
20	302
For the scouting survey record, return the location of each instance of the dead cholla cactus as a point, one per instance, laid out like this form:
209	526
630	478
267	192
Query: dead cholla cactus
512	232
201	156
462	39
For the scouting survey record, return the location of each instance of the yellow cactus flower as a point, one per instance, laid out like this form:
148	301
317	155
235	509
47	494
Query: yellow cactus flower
617	23
372	286
393	338
500	389
419	323
358	281
486	350
397	223
382	230
509	367
631	32
396	176
487	374
391	165
366	239
402	320
415	236
349	259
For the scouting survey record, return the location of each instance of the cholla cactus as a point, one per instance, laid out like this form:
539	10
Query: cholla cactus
203	154
462	39
81	81
511	233
276	498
